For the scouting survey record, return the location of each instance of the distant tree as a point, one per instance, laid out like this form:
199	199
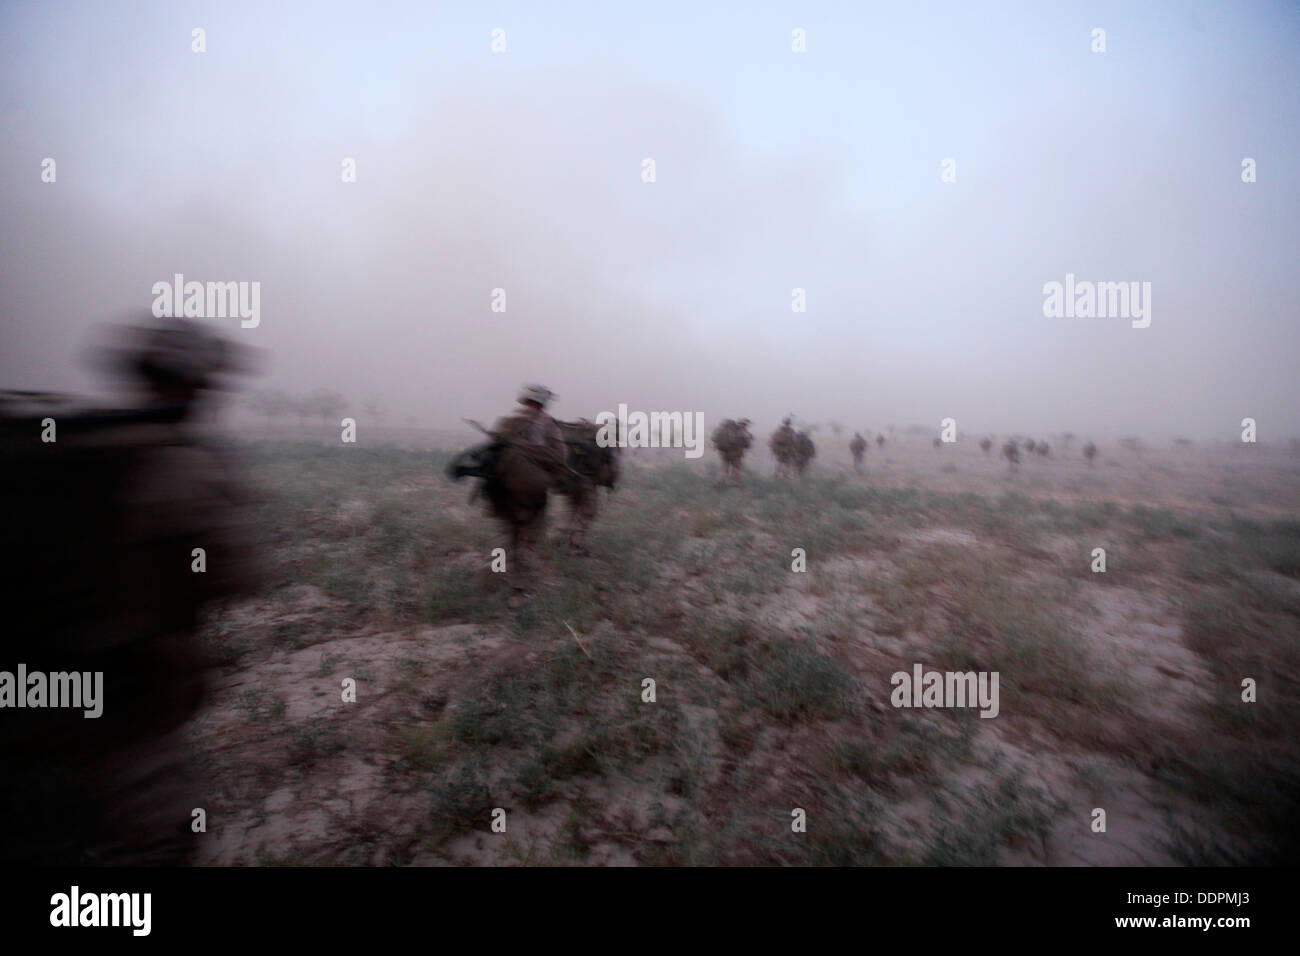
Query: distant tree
271	403
326	404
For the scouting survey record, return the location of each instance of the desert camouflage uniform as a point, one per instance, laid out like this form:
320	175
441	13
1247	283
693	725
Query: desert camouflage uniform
731	439
538	437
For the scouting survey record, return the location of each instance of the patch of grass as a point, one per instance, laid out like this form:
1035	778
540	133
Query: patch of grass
456	596
907	748
1276	546
262	705
422	747
311	741
975	827
722	646
792	681
845	827
1017	629
1160	524
460	802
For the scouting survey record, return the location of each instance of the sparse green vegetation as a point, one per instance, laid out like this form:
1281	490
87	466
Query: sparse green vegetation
771	686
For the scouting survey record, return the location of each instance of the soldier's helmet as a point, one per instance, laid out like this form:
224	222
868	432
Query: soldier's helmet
744	423
175	352
536	393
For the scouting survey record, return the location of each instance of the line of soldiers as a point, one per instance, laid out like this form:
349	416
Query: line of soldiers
793	450
531	455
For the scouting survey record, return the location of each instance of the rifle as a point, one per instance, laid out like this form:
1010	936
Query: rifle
524	447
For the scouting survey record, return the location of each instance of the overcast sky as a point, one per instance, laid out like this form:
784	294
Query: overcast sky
775	170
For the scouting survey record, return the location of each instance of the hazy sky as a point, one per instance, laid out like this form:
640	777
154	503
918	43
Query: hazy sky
819	170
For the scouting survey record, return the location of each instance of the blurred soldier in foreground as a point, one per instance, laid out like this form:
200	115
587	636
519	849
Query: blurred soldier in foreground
102	587
858	447
783	445
732	439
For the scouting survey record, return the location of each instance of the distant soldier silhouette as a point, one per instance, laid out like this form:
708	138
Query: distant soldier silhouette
100	577
880	441
986	444
732	439
804	452
783	444
1011	452
1090	452
858	447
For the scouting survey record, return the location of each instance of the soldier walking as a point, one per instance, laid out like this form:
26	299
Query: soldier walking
532	463
732	439
858	447
134	523
783	444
